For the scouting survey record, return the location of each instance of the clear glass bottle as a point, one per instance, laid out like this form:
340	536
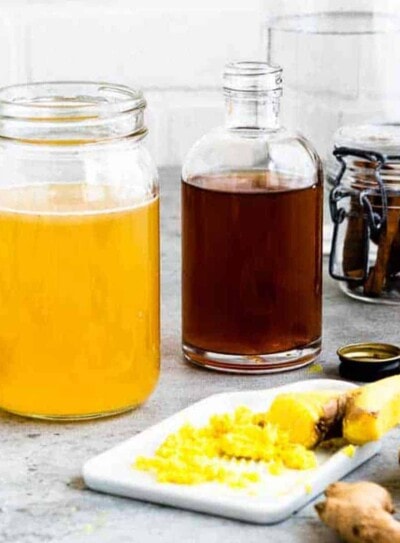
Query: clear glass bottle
79	247
251	235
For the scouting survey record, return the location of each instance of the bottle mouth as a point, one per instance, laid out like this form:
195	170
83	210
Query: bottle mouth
252	77
71	111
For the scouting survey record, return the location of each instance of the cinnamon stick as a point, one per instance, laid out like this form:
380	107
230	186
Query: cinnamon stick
394	258
376	280
353	246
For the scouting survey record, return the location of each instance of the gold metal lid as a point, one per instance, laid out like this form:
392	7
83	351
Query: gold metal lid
375	353
369	361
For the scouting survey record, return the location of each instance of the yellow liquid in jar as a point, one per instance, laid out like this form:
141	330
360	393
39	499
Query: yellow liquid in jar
79	300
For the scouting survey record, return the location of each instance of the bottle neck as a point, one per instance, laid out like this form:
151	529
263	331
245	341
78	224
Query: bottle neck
258	112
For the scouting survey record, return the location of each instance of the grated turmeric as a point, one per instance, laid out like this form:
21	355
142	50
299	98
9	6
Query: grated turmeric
229	450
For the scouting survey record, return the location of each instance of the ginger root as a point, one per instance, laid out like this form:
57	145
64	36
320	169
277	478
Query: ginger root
360	513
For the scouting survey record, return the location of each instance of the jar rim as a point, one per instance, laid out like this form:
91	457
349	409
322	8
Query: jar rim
69	100
71	112
336	22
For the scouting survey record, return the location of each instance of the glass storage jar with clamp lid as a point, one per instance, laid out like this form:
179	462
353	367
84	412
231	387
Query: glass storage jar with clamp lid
365	210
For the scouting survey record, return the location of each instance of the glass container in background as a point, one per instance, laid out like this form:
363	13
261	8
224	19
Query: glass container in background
79	251
365	210
251	235
340	60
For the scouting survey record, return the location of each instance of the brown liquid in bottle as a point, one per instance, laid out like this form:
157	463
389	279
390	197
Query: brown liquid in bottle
251	263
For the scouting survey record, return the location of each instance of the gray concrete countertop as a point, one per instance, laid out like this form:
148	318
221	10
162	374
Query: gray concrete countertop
42	498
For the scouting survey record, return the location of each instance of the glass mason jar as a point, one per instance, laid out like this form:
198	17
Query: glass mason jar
79	251
251	235
365	209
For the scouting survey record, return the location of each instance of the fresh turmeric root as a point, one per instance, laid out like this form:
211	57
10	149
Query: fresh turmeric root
360	513
372	410
359	416
307	417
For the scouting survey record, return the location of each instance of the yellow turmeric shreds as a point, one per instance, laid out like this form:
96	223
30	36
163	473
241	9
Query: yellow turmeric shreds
225	450
315	368
349	450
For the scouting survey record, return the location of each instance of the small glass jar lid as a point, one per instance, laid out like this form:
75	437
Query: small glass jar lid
384	138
